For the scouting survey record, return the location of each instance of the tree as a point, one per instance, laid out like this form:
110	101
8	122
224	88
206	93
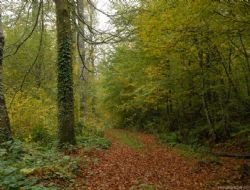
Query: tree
86	20
5	132
82	57
65	74
185	71
30	73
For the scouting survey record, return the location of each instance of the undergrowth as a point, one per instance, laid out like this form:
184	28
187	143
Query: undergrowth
23	166
36	166
198	152
195	143
93	140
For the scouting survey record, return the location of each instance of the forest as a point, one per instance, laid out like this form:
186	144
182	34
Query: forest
124	94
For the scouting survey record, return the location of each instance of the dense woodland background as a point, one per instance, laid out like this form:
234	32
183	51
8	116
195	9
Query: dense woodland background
176	69
184	71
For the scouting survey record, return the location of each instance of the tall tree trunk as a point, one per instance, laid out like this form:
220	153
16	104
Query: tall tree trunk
65	95
5	132
204	94
82	59
247	64
38	65
92	58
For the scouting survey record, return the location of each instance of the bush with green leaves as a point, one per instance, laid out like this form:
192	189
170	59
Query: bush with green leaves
11	166
29	166
92	137
90	142
171	138
41	135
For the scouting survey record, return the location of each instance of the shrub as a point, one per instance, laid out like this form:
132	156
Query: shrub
28	166
171	138
29	109
92	137
79	126
40	134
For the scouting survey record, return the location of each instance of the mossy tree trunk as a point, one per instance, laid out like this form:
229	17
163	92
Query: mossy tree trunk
5	132
65	74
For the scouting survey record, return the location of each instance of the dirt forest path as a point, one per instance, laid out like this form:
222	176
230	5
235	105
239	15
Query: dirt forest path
137	161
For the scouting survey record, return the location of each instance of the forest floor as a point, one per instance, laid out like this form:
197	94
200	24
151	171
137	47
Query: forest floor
138	161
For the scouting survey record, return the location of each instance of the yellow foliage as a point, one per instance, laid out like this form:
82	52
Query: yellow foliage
30	110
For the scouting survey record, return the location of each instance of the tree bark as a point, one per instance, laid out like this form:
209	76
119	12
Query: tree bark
38	65
82	48
204	94
65	96
92	58
247	63
5	132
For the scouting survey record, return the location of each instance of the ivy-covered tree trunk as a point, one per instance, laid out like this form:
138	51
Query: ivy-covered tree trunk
65	74
5	132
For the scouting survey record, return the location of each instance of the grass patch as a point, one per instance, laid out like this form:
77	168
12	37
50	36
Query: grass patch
198	152
128	139
201	154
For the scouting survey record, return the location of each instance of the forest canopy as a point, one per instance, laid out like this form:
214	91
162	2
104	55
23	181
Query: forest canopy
185	70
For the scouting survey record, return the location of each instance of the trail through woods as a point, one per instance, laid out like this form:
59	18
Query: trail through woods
126	166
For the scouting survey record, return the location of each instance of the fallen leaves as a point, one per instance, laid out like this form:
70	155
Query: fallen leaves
155	167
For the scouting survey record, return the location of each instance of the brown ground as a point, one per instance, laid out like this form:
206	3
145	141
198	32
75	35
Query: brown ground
156	167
